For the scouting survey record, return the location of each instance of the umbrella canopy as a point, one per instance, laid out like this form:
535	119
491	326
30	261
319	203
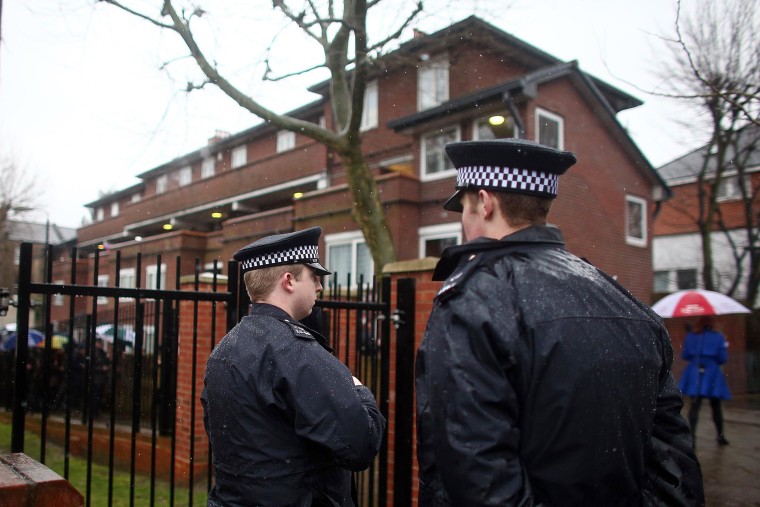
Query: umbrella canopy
697	303
35	339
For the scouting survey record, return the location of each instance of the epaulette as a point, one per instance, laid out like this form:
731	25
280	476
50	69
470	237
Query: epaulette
298	330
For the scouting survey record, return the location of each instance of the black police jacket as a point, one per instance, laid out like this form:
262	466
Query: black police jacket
541	381
285	421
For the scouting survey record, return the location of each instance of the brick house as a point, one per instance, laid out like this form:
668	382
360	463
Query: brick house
677	254
468	81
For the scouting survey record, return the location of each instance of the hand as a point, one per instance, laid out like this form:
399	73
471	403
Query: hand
357	382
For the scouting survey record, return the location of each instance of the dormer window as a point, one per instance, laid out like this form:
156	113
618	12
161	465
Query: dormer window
433	83
161	184
286	140
208	168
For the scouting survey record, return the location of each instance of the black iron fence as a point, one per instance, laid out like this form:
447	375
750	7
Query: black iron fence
103	384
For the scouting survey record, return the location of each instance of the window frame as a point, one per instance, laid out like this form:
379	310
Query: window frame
438	64
286	140
103	282
127	272
162	184
185	176
100	214
236	159
445	173
150	271
440	231
352	238
208	168
540	112
630	239
114	209
370	111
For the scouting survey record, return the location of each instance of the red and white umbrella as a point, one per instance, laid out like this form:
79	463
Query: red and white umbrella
696	303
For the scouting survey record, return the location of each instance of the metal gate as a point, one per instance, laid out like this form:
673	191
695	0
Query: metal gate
103	384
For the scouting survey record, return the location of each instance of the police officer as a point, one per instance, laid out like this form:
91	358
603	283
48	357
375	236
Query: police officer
286	419
540	380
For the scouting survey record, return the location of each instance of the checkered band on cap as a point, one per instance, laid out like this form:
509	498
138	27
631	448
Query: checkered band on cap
296	255
508	178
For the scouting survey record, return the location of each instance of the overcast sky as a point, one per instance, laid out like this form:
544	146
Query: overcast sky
85	105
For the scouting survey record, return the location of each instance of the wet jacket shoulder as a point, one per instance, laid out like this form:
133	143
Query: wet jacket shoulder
285	421
533	365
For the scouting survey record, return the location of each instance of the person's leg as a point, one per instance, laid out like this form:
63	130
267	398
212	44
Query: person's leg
696	404
717	413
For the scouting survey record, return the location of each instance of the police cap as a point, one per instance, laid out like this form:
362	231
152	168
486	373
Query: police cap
506	165
300	247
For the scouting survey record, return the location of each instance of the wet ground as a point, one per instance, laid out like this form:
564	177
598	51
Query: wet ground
732	472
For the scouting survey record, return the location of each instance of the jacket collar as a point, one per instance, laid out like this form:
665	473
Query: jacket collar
532	235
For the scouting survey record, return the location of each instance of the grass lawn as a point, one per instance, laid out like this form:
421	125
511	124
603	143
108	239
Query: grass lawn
99	479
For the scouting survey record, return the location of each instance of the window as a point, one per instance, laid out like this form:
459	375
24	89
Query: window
369	114
208	168
729	189
114	209
636	221
58	298
662	281
349	256
495	126
102	282
161	184
127	279
433	83
99	214
136	197
435	162
152	280
549	129
239	157
286	140
185	176
435	238
686	279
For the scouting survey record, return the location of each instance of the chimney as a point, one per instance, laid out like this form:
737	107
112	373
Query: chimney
418	34
218	136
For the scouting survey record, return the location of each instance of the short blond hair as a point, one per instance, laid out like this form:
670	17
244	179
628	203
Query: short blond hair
261	282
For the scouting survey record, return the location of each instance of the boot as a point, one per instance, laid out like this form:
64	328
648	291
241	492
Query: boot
722	439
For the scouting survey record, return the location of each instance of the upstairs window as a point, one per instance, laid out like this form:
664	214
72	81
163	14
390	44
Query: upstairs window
136	197
114	209
433	83
99	214
185	176
549	129
162	183
636	221
152	278
102	282
127	280
729	190
286	140
208	168
369	114
239	157
435	163
435	238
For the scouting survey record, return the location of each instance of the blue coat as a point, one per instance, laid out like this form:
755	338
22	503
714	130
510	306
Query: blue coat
703	376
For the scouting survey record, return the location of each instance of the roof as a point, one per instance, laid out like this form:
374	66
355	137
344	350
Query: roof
686	168
112	196
31	232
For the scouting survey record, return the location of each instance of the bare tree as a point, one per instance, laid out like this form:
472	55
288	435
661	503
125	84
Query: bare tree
16	192
340	30
716	68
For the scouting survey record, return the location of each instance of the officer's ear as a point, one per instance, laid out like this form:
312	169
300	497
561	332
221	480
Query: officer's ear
486	204
288	282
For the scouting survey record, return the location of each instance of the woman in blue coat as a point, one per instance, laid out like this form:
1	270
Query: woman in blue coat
706	350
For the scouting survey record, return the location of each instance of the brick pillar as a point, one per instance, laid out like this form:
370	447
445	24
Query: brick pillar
426	289
188	403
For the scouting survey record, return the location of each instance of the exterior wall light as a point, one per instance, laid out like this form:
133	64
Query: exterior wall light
297	195
101	246
216	214
138	238
168	227
497	120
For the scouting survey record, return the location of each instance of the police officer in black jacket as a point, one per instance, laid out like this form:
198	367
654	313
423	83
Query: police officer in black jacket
286	419
540	380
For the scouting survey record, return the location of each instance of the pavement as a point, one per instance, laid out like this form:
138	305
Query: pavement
731	473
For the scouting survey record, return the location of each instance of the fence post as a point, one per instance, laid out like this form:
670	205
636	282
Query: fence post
405	324
22	347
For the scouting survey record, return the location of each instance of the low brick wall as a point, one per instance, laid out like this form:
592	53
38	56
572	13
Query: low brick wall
25	482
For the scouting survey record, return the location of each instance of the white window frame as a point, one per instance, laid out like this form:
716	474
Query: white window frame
103	282
442	231
115	209
728	189
370	109
162	184
286	140
208	168
630	239
127	274
185	176
424	175
136	197
543	113
150	276
100	214
239	156
427	99
354	239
